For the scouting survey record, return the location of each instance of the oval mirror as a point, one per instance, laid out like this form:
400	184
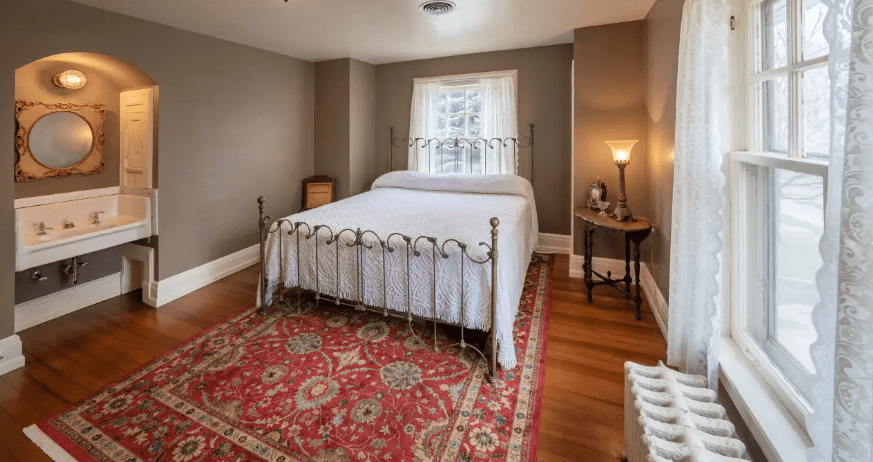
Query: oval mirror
61	139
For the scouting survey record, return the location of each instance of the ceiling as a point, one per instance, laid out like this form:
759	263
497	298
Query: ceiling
381	31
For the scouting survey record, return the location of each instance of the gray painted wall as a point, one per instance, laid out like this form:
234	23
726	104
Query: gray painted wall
332	122
363	161
235	123
662	62
345	126
7	163
544	100
610	105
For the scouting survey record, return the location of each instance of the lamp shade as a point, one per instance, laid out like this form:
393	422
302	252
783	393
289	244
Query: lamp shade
71	79
621	151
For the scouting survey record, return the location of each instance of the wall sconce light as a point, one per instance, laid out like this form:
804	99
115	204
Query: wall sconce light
71	79
621	151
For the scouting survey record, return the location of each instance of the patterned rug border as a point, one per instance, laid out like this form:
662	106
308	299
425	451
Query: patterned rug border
47	439
71	452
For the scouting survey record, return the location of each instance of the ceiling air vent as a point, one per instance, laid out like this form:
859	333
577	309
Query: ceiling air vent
437	7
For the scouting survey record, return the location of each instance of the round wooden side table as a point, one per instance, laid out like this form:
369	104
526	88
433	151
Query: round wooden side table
635	232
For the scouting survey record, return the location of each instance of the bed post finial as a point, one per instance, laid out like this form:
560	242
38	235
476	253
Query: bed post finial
262	223
492	376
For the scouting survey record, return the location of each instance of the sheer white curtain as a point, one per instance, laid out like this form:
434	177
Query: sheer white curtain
838	31
499	120
841	426
423	123
697	224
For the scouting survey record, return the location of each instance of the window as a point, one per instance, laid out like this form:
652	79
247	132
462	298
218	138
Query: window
460	116
456	119
778	196
789	85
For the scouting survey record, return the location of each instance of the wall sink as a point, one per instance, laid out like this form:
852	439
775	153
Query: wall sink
124	218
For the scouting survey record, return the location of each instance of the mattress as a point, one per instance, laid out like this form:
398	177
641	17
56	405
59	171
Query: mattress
444	207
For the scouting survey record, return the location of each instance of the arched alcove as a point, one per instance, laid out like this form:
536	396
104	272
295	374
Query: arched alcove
107	77
107	80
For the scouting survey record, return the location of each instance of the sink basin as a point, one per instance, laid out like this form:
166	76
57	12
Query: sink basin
125	218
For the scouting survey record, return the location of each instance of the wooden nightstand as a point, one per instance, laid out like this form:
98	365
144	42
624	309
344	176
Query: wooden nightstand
635	232
318	191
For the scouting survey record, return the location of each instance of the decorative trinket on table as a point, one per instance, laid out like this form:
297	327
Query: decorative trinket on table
597	194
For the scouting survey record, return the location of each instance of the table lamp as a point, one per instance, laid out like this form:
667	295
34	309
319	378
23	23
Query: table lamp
621	151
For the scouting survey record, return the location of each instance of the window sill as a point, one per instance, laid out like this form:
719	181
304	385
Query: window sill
780	436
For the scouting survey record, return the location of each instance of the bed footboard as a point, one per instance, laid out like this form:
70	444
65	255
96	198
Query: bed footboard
400	241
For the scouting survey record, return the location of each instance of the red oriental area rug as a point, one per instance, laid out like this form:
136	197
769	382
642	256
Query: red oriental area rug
328	384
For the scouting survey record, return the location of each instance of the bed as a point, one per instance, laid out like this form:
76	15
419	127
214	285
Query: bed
417	244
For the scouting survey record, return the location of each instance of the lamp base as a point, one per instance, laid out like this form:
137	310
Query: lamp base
622	213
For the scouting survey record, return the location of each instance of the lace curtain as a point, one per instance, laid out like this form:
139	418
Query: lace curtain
838	30
697	225
498	120
423	123
842	424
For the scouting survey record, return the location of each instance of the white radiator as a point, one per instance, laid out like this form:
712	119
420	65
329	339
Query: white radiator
673	417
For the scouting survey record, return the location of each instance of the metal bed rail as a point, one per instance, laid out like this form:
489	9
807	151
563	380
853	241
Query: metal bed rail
395	241
438	147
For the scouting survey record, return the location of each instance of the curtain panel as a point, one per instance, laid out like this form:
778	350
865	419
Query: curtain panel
697	224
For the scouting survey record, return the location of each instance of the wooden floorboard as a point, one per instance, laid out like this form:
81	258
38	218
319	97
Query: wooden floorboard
75	355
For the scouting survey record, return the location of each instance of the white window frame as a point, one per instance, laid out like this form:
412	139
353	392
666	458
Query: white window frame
745	249
770	405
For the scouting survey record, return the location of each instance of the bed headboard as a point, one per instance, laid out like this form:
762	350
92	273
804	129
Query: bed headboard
432	146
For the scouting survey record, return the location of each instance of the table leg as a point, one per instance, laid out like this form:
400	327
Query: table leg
638	298
627	256
586	266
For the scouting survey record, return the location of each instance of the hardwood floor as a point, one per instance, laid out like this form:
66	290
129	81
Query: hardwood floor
75	355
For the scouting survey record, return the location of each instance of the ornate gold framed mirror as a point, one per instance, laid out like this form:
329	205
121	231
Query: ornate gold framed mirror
58	140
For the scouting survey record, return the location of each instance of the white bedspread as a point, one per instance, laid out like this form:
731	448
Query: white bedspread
418	204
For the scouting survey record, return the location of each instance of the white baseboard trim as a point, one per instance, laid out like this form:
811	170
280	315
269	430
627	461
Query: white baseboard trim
11	357
650	289
656	299
165	291
555	243
601	265
40	310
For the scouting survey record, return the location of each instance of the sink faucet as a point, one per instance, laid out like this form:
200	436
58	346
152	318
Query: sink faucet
68	224
40	228
95	218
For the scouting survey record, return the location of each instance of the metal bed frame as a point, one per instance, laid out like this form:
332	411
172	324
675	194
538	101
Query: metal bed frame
392	243
457	143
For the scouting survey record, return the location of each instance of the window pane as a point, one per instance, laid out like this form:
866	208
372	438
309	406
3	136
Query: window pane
441	103
476	161
456	102
474	126
441	123
451	159
774	34
775	99
474	101
816	112
456	126
799	225
814	42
